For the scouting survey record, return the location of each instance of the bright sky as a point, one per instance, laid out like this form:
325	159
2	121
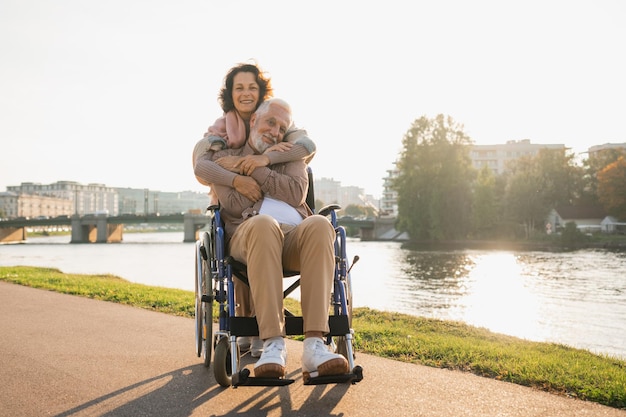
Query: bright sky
118	91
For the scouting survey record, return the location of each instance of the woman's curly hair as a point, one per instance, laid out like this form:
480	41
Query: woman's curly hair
225	97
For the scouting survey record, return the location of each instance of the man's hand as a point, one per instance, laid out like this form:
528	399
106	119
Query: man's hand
247	187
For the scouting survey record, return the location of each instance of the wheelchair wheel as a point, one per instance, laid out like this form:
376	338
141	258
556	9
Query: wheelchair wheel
341	342
207	303
203	302
198	300
222	368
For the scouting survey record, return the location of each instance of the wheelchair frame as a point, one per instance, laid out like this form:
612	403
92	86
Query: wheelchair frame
215	273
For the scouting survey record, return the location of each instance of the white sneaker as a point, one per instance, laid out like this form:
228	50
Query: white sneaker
256	347
273	360
317	360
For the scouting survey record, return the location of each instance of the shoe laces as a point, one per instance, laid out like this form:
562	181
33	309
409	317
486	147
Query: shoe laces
319	345
273	346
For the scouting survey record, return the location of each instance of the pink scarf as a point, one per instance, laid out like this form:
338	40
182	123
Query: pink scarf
232	128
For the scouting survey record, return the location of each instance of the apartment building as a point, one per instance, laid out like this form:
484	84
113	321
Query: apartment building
69	197
596	150
14	205
497	157
86	199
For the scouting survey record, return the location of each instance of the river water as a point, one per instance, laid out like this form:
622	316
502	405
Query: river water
575	298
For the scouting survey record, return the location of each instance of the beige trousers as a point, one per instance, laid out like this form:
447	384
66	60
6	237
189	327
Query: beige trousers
267	248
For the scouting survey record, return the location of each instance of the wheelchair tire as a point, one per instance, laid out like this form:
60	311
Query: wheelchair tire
207	304
203	307
207	332
340	341
222	368
198	301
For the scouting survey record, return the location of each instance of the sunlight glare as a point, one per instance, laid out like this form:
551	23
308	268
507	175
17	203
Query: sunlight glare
498	299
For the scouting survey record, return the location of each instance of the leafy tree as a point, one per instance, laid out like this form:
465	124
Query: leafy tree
433	184
485	204
571	236
592	166
612	188
561	178
537	184
522	200
354	211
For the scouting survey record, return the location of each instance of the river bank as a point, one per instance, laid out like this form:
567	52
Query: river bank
616	244
577	298
550	367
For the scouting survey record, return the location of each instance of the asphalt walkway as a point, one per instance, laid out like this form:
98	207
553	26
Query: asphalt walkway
63	355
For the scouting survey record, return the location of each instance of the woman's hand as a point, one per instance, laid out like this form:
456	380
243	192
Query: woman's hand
279	147
230	163
247	164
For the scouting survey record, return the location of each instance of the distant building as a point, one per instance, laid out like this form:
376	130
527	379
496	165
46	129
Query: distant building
351	195
330	191
588	219
389	200
596	150
76	198
86	199
15	205
327	190
144	201
496	157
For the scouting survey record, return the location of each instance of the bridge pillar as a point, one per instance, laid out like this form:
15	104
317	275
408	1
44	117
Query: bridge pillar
80	232
12	234
193	223
367	234
96	230
115	233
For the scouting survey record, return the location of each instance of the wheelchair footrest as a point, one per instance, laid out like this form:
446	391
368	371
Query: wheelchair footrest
355	376
243	379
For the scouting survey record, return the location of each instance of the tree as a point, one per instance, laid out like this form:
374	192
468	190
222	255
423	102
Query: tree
433	184
484	204
592	166
354	211
612	188
522	199
561	179
537	184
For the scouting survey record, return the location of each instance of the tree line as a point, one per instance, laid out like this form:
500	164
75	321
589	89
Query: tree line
441	196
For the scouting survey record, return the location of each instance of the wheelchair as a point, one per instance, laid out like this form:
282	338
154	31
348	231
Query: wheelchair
215	272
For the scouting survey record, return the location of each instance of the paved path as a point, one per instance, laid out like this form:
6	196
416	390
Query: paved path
62	355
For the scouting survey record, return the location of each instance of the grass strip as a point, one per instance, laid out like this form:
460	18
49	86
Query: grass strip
550	367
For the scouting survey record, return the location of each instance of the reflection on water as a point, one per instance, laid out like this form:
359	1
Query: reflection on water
576	298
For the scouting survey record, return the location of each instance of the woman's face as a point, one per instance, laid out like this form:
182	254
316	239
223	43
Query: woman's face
245	94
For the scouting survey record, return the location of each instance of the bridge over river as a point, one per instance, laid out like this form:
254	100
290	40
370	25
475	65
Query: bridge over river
110	229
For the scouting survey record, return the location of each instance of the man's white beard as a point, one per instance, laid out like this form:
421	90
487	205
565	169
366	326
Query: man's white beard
259	145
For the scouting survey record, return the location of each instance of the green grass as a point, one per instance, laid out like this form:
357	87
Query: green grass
550	367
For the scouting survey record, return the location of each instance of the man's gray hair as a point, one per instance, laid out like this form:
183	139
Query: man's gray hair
264	107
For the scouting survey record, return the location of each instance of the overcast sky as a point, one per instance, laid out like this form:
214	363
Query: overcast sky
118	91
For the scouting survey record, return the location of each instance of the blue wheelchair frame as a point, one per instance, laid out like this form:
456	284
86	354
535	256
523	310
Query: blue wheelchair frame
215	274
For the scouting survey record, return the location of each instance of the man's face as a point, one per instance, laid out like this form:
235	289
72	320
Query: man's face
269	128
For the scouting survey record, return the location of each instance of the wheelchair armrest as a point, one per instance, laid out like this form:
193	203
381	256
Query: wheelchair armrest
325	211
213	207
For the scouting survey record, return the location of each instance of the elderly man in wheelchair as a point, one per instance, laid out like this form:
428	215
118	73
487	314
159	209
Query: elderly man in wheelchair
269	229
